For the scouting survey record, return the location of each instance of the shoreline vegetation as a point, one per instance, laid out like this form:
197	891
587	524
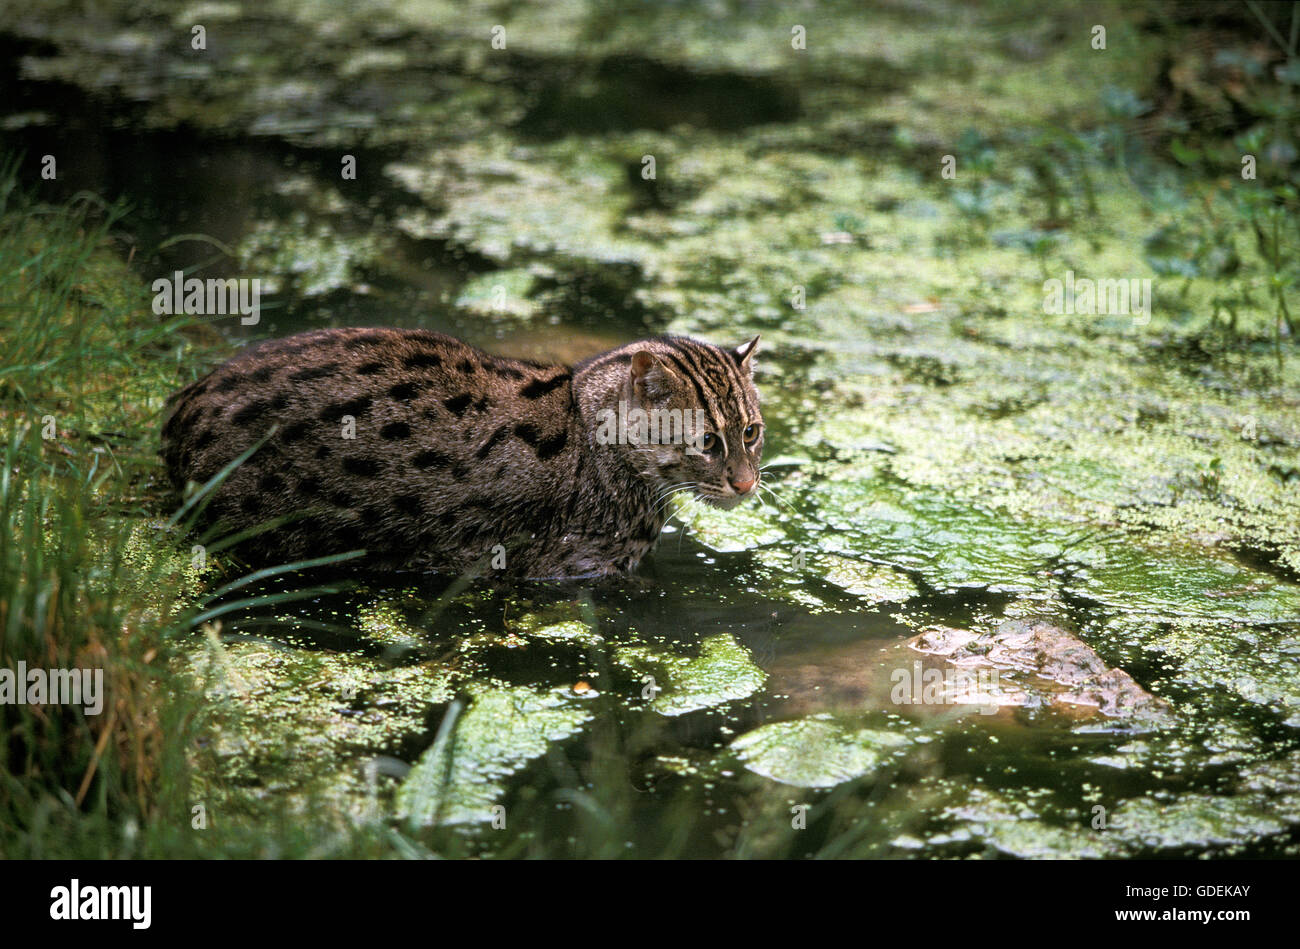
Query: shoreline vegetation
85	582
97	577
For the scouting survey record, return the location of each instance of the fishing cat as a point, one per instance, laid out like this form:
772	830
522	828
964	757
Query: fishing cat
432	454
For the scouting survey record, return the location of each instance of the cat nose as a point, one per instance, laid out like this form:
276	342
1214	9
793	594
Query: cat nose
743	487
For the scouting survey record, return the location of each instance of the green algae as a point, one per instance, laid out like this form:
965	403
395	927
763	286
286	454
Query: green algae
461	779
1258	665
315	258
500	294
874	584
1178	580
561	622
1014	826
951	544
817	751
742	528
289	724
722	671
385	622
1032	825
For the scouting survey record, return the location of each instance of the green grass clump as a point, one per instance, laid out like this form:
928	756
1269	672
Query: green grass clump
87	579
96	574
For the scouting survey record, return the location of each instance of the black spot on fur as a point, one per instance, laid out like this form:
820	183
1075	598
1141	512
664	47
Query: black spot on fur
553	445
230	383
251	412
447	518
430	459
353	407
370	368
250	505
361	466
309	487
507	372
395	430
493	440
422	361
314	372
263	374
295	432
270	483
204	440
529	433
465	365
539	387
323	452
342	499
311	525
371	516
404	391
349	537
408	504
482	404
458	403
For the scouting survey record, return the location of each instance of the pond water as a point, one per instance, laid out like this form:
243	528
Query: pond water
942	456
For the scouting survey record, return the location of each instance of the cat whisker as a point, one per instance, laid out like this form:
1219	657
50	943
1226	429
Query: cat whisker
777	497
665	498
678	486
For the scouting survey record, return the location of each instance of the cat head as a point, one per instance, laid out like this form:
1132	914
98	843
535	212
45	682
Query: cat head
690	418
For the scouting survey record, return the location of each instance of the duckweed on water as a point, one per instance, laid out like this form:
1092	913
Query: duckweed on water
817	752
722	671
459	779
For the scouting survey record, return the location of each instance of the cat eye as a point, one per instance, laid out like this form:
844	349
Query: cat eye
751	434
708	442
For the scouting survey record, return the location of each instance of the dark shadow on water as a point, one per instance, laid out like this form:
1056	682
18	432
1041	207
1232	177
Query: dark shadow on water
626	93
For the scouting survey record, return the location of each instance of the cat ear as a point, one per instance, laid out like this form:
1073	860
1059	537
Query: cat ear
649	376
743	353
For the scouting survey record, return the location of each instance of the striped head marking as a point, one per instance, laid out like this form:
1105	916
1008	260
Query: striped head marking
694	418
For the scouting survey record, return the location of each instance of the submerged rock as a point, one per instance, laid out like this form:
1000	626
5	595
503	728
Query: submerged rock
1023	664
1067	672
